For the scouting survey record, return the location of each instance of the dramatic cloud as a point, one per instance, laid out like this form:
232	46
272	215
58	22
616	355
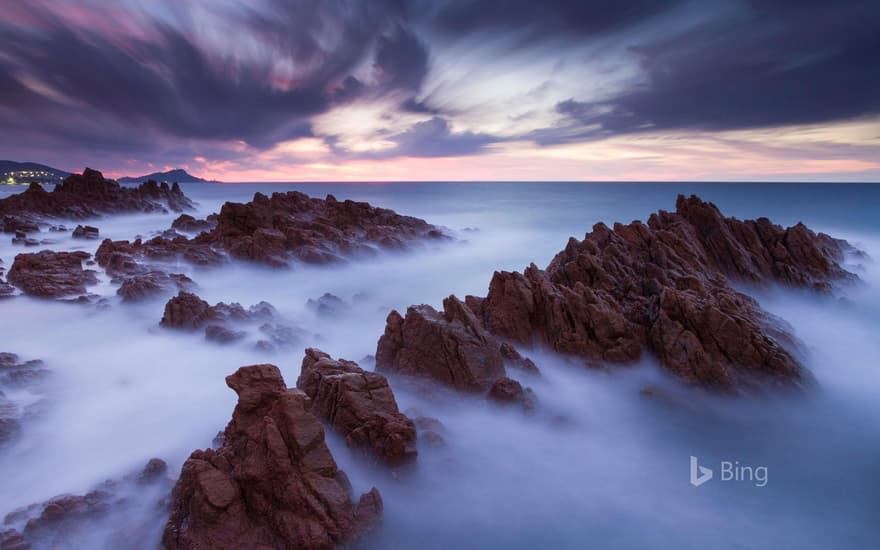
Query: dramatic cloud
226	85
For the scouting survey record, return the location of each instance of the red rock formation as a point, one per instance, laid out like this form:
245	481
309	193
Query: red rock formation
50	274
451	347
189	224
359	405
272	484
89	195
85	232
274	229
73	521
663	288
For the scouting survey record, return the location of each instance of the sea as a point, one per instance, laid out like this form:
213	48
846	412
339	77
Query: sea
598	465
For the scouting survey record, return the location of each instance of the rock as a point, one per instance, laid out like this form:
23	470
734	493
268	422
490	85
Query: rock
189	224
88	195
451	347
188	311
50	274
151	284
18	225
359	405
508	391
10	539
85	232
80	521
328	305
15	408
513	358
273	230
222	335
663	288
272	484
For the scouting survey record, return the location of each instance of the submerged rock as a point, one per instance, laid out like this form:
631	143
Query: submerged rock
101	518
50	274
359	405
272	483
187	311
86	232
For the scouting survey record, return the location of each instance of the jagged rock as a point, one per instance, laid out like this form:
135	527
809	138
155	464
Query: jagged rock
50	274
328	305
513	358
509	391
189	224
222	335
152	283
88	195
71	521
663	288
124	257
451	347
272	484
86	232
16	375
359	405
16	224
274	229
188	311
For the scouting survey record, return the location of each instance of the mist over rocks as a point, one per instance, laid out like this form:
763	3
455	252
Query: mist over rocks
274	230
89	195
49	274
272	483
661	288
81	521
219	322
16	410
359	405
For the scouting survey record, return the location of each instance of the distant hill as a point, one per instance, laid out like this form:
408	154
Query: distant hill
179	175
12	172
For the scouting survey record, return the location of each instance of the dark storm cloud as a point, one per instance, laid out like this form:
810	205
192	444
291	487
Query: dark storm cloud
164	82
576	17
769	64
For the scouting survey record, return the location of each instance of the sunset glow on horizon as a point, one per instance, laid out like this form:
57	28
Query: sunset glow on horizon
445	91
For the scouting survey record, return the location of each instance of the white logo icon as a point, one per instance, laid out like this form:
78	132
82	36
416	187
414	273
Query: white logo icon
699	474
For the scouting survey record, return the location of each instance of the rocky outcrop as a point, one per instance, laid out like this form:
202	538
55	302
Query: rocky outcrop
123	257
88	195
149	284
273	230
359	405
101	518
86	232
190	224
50	274
451	347
663	288
272	483
16	407
219	322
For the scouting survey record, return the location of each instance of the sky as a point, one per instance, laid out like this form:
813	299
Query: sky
408	90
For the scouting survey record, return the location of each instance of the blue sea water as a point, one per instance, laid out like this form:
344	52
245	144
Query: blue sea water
599	466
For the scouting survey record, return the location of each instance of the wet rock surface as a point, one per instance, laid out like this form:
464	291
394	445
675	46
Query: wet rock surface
272	483
359	405
48	274
89	195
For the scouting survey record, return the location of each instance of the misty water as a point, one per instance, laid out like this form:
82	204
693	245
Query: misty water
599	465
